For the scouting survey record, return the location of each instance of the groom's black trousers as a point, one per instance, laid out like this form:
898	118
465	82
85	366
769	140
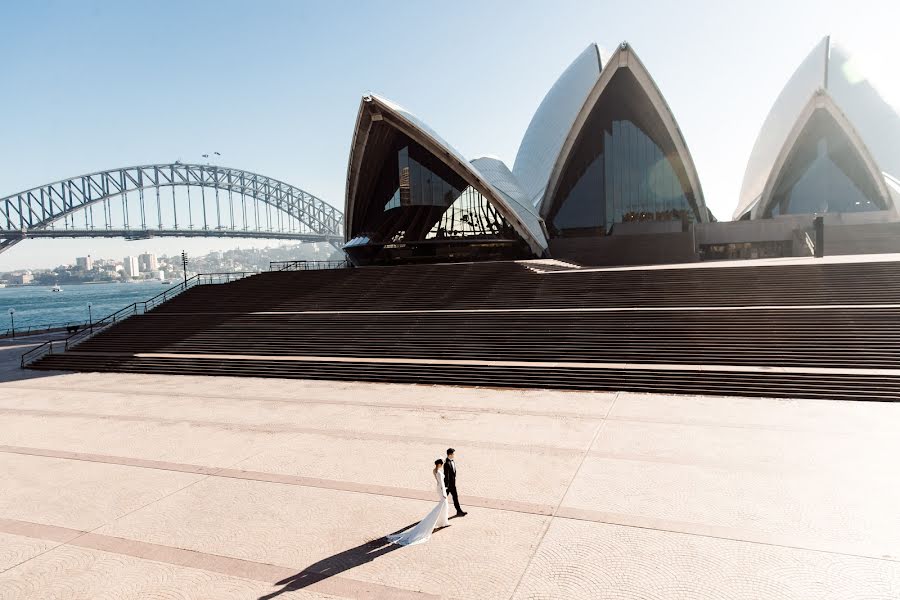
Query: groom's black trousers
453	492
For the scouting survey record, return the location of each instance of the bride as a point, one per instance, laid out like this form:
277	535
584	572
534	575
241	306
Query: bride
437	518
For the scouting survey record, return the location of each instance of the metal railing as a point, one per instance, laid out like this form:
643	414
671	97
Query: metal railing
136	308
307	265
43	328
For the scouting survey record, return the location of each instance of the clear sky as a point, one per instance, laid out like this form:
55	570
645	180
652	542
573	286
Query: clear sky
275	86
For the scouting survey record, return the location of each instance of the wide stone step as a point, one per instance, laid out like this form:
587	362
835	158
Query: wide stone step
415	323
767	384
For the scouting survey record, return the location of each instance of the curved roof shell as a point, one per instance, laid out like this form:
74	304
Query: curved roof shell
502	179
625	58
821	101
551	122
366	146
832	69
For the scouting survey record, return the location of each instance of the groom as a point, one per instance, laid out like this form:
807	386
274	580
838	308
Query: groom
450	482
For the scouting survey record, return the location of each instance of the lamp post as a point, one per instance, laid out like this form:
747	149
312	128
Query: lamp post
12	321
90	317
184	262
206	156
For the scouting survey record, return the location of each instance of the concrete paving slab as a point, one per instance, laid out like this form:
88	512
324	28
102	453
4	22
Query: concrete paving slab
852	454
80	495
286	525
803	509
71	573
420	397
608	562
526	474
16	549
384	422
133	486
823	416
167	441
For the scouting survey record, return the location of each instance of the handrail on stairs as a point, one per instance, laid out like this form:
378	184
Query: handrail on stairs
135	308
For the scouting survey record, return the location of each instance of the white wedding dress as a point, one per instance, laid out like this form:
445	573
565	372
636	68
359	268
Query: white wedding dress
438	517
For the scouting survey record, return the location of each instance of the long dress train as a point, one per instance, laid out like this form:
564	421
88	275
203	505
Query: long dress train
438	517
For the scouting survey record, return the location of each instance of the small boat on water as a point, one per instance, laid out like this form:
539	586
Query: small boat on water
166	282
56	288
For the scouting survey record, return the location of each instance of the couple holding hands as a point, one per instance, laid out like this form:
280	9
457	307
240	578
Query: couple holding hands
445	478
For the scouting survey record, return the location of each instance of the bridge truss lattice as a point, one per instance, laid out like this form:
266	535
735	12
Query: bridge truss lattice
155	200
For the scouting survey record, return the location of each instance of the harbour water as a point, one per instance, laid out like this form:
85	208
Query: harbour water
38	306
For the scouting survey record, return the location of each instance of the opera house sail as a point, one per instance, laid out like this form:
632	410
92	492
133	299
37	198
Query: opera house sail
552	121
830	144
602	152
411	196
823	167
624	159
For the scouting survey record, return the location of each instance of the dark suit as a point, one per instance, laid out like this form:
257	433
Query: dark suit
450	483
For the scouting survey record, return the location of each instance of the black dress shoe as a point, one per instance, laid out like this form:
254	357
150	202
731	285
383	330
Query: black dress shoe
461	513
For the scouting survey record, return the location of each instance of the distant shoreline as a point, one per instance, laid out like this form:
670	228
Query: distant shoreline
40	285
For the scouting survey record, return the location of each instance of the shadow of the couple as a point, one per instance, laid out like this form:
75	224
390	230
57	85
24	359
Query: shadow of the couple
337	564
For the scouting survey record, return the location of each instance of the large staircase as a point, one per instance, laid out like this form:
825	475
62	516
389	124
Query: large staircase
812	330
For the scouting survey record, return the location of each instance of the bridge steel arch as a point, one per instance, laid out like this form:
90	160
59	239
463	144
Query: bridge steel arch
35	212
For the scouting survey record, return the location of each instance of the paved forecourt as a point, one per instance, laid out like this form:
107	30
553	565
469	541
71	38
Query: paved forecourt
139	486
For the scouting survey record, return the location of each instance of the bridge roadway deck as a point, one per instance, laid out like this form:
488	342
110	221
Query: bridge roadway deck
150	233
139	486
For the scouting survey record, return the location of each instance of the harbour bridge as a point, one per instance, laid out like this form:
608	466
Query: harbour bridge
155	200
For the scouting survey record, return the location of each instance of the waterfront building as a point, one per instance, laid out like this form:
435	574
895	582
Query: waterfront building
131	266
85	263
147	262
602	150
411	196
623	166
552	121
603	176
830	144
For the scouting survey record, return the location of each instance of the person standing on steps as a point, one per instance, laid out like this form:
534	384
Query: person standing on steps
450	481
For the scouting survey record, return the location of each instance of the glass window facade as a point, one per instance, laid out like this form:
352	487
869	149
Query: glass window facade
824	174
420	186
617	171
470	215
422	199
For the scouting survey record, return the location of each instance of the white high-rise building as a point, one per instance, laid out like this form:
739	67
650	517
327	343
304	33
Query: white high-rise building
131	266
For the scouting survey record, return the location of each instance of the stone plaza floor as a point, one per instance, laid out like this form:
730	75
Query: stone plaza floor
143	486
